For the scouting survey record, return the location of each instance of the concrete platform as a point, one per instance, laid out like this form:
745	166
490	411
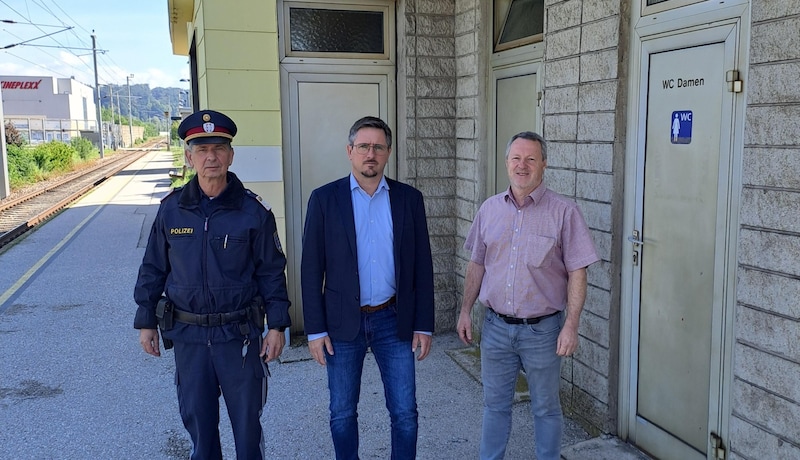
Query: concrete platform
602	448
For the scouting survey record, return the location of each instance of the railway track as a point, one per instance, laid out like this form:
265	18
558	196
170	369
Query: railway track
18	214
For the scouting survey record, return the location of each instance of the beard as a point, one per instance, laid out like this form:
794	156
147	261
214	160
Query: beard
370	170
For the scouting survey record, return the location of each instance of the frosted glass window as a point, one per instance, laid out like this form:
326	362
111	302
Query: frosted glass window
336	31
525	18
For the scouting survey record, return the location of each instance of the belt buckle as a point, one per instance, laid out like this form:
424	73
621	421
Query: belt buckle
215	319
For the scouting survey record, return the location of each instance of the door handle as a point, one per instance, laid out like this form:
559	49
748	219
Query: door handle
635	239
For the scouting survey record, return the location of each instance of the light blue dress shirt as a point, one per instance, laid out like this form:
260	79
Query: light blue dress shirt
374	242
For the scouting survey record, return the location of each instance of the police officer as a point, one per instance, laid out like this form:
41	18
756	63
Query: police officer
212	270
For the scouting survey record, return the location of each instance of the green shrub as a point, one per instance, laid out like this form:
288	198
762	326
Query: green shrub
54	156
85	148
22	167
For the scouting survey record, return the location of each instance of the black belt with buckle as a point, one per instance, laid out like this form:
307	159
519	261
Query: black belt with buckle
515	320
373	309
210	319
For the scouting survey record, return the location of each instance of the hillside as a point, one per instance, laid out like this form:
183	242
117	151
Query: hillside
147	104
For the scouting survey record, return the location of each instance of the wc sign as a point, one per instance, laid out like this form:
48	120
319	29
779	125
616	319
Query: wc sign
681	127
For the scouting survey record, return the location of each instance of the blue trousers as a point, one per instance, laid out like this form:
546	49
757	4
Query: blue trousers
396	364
202	373
505	349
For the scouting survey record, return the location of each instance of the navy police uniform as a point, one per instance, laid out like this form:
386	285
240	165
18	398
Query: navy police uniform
220	265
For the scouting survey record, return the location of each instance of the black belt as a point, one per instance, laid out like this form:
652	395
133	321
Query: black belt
211	319
373	309
515	320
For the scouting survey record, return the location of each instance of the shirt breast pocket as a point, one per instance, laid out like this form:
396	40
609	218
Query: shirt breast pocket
539	250
231	253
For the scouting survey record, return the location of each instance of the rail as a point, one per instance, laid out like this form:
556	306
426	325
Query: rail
19	214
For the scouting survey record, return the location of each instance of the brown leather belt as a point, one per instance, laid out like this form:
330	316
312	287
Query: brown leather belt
515	320
373	309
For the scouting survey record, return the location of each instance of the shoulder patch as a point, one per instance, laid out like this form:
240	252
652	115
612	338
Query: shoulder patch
259	199
277	241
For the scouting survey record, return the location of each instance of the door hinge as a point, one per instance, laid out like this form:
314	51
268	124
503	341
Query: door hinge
717	446
539	99
735	84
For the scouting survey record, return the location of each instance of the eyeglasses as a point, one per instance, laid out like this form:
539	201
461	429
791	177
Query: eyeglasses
363	149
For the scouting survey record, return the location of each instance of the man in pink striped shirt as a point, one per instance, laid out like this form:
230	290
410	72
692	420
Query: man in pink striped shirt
529	251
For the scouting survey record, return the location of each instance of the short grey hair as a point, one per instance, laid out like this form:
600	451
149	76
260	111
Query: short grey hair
530	136
370	122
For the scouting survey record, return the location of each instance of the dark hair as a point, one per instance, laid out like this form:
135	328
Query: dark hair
531	136
370	122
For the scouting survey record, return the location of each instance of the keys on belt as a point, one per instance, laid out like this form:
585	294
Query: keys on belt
373	309
515	320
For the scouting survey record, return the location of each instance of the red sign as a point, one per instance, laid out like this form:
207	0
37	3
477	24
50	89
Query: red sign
20	84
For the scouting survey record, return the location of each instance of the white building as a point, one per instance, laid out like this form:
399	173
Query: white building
48	108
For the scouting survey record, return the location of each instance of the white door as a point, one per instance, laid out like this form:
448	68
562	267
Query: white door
682	277
516	109
321	109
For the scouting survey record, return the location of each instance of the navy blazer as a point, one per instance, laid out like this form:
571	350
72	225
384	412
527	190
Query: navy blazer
329	267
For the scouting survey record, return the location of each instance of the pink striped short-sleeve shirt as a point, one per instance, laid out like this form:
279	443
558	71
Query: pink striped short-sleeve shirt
528	251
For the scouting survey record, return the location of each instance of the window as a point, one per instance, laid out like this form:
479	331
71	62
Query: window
336	30
657	6
517	23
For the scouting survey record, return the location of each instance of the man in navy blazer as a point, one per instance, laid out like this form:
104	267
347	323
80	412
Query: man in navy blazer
367	282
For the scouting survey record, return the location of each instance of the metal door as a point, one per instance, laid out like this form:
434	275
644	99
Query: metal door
681	240
321	109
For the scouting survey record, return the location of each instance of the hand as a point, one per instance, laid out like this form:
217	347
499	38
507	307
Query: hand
423	341
318	347
272	345
148	338
464	328
567	341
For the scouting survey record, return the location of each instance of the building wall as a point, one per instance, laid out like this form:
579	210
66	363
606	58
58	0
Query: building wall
766	391
49	97
238	74
427	93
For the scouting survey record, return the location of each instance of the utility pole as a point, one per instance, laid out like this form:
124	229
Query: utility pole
113	123
119	116
130	113
97	99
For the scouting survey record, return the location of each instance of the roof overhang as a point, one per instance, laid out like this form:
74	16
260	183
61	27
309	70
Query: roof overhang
180	13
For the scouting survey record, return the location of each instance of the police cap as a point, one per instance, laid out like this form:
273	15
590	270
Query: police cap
207	127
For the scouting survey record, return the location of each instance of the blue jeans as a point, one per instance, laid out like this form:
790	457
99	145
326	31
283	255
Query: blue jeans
396	364
505	348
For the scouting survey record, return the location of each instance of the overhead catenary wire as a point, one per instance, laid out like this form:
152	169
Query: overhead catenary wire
67	46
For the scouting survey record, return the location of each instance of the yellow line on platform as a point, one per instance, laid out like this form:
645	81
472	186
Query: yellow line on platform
20	282
32	271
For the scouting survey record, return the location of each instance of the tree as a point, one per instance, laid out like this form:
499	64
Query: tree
13	137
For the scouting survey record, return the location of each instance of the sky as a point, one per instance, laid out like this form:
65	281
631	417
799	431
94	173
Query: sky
132	35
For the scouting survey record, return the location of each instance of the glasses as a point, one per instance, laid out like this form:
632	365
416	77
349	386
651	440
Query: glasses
363	149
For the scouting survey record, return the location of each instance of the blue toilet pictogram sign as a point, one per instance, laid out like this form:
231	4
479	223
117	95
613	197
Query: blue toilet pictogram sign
681	127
